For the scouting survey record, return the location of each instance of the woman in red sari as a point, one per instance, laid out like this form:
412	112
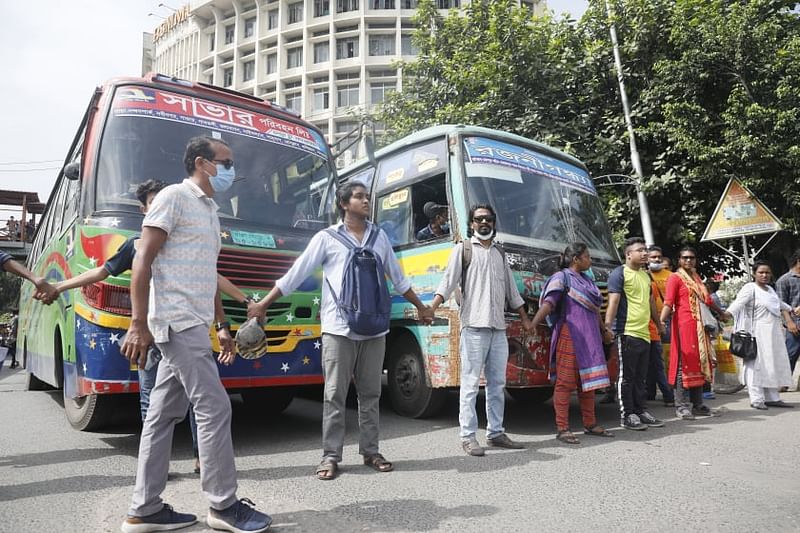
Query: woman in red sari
690	356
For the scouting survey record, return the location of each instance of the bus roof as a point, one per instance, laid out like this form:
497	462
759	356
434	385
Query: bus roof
445	129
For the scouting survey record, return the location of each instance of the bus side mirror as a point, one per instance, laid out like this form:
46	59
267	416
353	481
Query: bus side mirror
73	170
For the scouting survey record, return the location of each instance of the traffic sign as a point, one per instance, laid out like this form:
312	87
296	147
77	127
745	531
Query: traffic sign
739	214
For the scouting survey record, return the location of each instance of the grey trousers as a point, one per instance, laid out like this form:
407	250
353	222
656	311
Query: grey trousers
187	373
344	359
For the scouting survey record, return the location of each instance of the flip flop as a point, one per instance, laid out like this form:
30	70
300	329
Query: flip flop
597	431
567	437
378	462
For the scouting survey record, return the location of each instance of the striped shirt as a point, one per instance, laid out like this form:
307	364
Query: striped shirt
184	273
488	285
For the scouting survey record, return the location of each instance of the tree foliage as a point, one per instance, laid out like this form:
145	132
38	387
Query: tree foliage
714	87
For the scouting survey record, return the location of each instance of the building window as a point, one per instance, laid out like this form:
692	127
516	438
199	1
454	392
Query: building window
322	8
381	45
321	52
407	46
347	95
382	73
346	127
346	5
447	4
323	128
272	19
249	27
272	63
294	101
249	71
229	34
381	4
294	57
320	79
295	12
321	99
347	47
227	77
408	4
378	91
212	41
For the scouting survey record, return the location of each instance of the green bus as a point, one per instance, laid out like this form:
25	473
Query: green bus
544	200
136	129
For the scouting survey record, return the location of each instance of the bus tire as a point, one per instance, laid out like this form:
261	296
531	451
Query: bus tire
531	395
270	401
409	392
90	412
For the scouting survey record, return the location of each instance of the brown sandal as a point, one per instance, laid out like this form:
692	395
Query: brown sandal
567	437
378	462
597	431
327	469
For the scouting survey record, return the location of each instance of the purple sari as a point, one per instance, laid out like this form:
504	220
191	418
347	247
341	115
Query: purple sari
579	313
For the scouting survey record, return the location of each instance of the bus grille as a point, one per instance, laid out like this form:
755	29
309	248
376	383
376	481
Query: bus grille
253	270
237	312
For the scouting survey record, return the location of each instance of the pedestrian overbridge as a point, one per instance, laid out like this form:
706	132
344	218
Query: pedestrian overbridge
16	234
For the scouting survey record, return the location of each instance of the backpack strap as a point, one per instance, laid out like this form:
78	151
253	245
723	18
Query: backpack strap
341	238
373	237
466	259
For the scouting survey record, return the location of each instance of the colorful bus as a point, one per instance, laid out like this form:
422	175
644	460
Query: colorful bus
544	200
137	129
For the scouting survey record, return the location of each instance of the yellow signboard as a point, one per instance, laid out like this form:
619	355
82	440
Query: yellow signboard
739	214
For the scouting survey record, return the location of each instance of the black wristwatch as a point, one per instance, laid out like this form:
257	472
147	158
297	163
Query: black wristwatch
222	325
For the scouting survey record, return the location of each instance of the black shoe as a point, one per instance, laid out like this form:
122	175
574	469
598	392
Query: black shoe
633	422
780	403
164	520
650	421
502	441
14	364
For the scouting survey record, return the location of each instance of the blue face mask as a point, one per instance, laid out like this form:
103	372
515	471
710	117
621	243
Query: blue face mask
445	227
224	178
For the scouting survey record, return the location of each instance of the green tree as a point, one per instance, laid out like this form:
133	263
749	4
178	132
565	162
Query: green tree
9	291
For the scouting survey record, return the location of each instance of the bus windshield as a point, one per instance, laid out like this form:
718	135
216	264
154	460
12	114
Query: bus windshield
540	201
277	162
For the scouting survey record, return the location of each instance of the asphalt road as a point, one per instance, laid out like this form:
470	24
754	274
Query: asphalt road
737	472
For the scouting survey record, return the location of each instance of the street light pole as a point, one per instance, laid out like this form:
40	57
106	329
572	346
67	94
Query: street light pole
644	210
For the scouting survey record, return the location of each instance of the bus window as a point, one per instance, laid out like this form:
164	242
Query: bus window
412	163
394	216
428	190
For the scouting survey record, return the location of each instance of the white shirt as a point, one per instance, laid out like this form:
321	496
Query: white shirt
184	273
331	255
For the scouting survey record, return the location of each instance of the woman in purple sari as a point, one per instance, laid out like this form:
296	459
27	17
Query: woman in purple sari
577	359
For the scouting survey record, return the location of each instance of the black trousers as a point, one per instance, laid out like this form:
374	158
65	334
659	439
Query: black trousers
634	359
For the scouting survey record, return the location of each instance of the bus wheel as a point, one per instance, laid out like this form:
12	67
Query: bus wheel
532	395
268	401
409	392
89	412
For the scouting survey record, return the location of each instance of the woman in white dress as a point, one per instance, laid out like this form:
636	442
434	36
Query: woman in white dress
759	311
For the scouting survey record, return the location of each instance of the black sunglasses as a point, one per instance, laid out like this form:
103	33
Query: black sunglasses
227	163
688	257
483	219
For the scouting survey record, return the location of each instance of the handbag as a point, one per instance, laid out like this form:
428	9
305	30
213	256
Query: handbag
743	344
709	320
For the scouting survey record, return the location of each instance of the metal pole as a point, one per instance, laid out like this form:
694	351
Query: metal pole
746	263
644	210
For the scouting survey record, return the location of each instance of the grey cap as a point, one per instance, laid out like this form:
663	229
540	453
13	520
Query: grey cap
431	209
251	341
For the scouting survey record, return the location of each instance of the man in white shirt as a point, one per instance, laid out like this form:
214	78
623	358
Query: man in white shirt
346	355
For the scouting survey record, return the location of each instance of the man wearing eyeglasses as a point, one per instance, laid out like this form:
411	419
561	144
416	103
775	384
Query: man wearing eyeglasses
631	307
178	249
486	285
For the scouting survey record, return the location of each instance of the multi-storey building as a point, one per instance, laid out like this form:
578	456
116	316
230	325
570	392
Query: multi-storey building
326	59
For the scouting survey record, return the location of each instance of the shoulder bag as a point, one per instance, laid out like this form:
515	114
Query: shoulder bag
743	345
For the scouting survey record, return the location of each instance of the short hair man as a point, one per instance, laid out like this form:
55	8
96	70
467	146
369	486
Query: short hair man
488	285
346	355
788	288
631	307
438	225
179	247
656	374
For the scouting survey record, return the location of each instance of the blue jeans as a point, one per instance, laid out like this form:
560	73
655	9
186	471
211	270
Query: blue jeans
793	347
487	349
147	379
656	374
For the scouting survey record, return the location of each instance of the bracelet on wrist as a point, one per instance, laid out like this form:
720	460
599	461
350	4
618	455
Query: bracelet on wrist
222	325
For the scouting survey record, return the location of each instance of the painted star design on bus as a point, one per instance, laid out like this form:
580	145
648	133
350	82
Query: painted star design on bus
285	367
256	295
317	345
92	344
114	222
306	360
114	339
289	317
93	261
297	332
316	300
224	234
84	368
77	323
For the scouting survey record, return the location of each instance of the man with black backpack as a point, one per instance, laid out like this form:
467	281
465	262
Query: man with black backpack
355	256
479	267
